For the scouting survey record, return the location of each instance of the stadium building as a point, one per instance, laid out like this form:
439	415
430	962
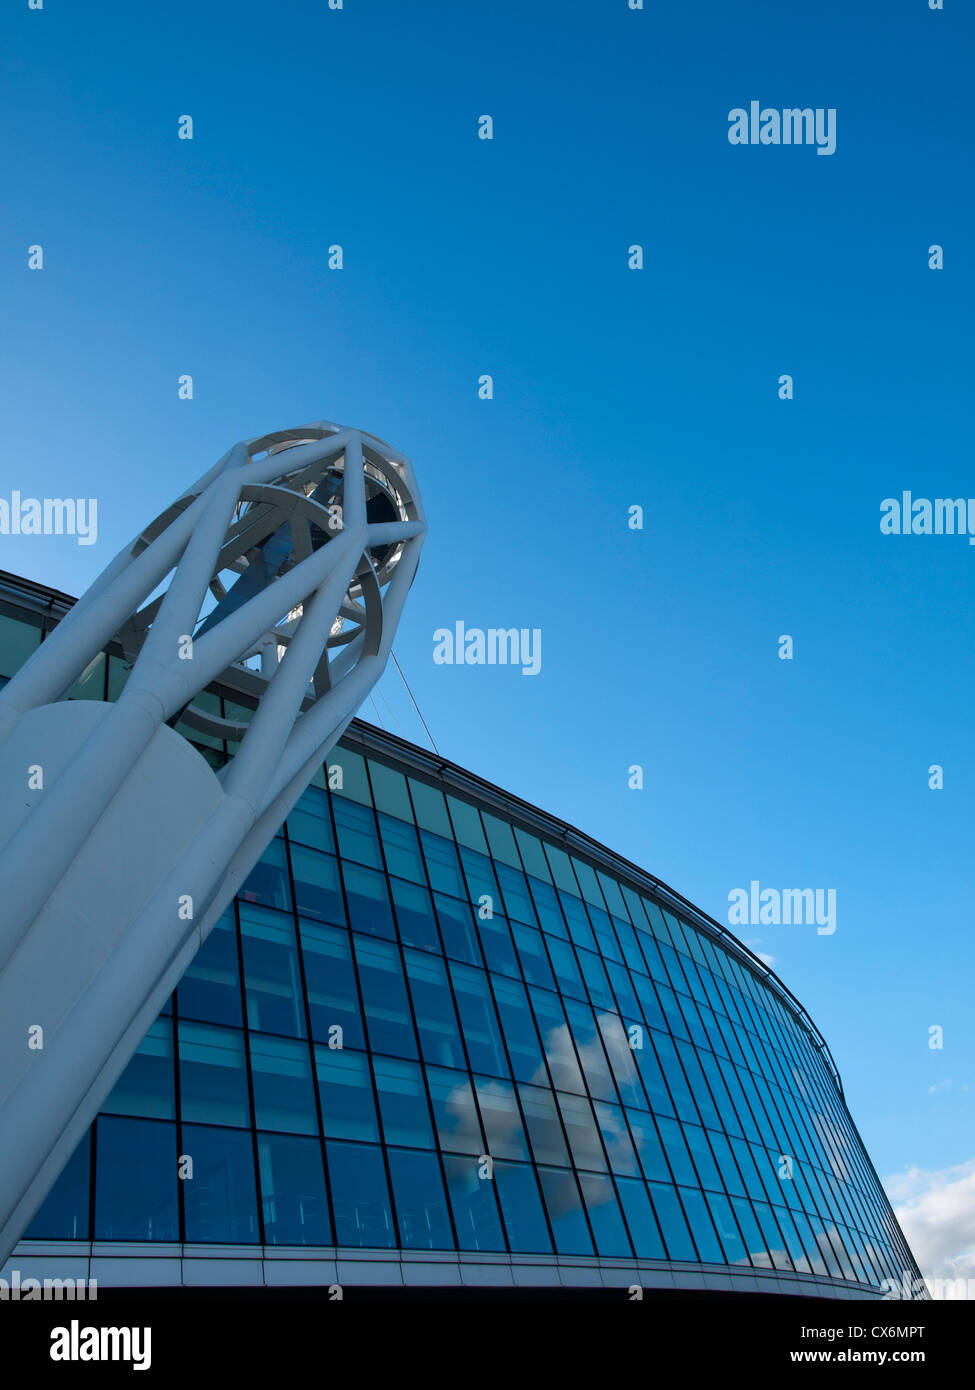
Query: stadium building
443	1039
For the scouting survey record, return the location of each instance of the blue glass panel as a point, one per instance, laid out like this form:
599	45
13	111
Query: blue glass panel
565	1212
726	1163
293	1196
708	1246
402	1102
210	988
430	807
501	1117
309	823
345	1091
384	997
616	1138
566	968
707	1171
579	928
355	827
547	908
731	1241
390	791
619	978
479	872
457	929
454	1112
474	1204
521	1206
671	1220
268	885
318	892
402	850
368	899
272	979
583	1136
544	1126
443	865
640	1219
604	1215
333	999
63	1215
414	915
212	1078
518	1024
676	1150
648	1146
499	951
479	1021
698	1085
623	1059
557	1041
284	1097
421	1209
517	899
773	1238
433	1006
589	1046
754	1240
676	1081
605	936
136	1180
360	1196
533	957
146	1086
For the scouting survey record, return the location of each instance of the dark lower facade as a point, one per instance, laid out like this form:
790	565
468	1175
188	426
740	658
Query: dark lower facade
442	1040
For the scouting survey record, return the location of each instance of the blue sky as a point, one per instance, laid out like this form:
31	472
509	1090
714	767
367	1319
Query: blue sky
612	387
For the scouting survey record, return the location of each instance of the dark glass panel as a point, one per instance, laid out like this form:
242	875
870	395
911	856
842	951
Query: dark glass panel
360	1196
293	1196
136	1195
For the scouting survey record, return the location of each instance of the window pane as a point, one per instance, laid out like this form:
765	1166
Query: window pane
580	1127
533	957
421	1208
670	1218
293	1196
345	1090
212	1079
604	1215
557	1041
457	928
709	1249
402	1102
309	823
268	885
414	915
431	810
146	1086
501	1118
333	999
136	1180
317	889
640	1219
355	826
389	790
544	1126
272	984
616	1138
283	1094
565	1212
63	1215
384	997
436	1019
210	988
347	775
360	1196
368	899
220	1201
454	1112
479	1021
521	1206
474	1204
402	850
18	641
519	1030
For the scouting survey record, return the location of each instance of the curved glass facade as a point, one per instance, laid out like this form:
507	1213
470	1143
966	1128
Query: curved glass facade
435	1019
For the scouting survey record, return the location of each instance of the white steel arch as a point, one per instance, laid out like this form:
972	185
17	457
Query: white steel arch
119	844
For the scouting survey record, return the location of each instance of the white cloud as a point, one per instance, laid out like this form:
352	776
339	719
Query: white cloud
936	1212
